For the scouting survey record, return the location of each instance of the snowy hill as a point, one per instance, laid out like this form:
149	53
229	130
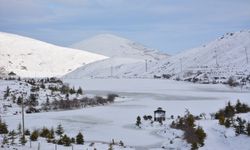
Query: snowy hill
32	58
112	67
226	56
114	46
127	58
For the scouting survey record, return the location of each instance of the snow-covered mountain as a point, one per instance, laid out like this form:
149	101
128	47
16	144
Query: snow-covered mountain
114	46
126	57
226	56
32	58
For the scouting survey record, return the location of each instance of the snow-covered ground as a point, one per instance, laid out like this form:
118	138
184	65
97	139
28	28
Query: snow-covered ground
28	57
111	67
221	138
117	121
43	145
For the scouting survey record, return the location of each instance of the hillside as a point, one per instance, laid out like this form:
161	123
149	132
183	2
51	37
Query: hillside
32	58
114	46
127	58
117	67
221	58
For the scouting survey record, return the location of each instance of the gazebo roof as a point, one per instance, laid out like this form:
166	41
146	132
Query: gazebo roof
159	110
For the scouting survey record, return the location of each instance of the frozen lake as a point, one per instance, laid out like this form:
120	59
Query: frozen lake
143	96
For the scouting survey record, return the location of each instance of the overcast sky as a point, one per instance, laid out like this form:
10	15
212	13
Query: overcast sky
167	25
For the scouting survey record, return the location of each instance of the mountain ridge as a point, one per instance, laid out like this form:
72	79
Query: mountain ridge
114	46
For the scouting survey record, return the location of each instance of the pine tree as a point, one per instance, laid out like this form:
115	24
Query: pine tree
240	127
200	133
12	136
23	140
238	106
72	91
44	132
67	96
194	146
138	121
229	111
13	98
79	91
121	143
3	127
65	140
65	89
34	135
51	134
33	100
47	101
227	123
59	130
79	138
5	140
221	120
190	120
42	86
245	108
241	107
231	81
7	92
46	105
248	128
27	132
19	100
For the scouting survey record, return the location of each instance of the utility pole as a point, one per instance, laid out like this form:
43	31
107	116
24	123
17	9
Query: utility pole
111	71
181	64
146	65
246	55
23	118
216	58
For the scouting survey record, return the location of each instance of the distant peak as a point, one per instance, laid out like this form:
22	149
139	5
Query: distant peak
108	36
115	46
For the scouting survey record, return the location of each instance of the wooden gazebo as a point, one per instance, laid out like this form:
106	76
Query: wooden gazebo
159	114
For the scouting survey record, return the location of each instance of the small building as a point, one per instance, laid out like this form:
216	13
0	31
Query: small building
159	114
